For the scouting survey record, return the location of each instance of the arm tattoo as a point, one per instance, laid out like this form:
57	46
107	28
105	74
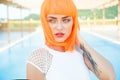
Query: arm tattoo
89	57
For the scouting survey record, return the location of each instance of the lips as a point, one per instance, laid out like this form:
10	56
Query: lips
59	35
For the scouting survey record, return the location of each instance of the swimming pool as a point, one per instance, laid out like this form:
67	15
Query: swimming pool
13	60
14	35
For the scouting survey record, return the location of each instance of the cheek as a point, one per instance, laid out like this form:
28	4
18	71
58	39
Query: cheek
51	28
69	28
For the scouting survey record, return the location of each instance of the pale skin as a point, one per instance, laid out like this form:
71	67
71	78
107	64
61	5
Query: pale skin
63	24
60	24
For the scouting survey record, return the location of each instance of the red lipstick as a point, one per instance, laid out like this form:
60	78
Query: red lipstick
59	35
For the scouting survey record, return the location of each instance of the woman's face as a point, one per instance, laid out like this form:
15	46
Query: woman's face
61	26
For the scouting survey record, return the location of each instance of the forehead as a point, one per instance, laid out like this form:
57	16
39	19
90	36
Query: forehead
58	16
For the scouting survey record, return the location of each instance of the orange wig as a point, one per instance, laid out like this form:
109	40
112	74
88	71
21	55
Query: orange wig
63	7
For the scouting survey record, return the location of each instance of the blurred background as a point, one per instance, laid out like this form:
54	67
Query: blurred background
21	32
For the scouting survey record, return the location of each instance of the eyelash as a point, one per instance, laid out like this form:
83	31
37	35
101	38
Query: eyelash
66	20
54	21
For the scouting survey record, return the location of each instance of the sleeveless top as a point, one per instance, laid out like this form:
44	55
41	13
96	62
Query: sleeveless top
56	65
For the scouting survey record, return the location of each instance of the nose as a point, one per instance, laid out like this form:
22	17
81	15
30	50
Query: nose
59	26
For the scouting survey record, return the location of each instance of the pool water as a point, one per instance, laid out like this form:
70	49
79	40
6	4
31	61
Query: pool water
13	37
13	60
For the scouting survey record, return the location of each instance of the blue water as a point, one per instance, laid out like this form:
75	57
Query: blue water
13	37
13	60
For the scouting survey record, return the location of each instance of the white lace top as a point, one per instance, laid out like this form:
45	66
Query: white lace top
59	65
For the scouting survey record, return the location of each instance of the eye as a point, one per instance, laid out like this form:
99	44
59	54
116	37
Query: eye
52	20
66	20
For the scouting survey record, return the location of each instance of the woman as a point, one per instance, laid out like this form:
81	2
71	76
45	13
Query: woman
65	55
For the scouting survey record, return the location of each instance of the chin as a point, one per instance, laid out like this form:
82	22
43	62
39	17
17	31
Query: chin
60	40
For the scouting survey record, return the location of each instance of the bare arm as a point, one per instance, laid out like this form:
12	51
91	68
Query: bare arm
33	73
96	62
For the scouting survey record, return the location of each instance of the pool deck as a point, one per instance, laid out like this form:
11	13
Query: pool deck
107	32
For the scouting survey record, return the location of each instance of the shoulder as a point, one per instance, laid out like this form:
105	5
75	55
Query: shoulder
39	53
40	58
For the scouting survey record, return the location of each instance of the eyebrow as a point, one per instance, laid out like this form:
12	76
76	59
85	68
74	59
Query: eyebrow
52	17
56	18
65	17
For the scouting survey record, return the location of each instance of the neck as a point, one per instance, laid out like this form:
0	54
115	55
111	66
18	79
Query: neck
57	48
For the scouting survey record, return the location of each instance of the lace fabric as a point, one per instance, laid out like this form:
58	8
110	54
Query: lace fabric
41	59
